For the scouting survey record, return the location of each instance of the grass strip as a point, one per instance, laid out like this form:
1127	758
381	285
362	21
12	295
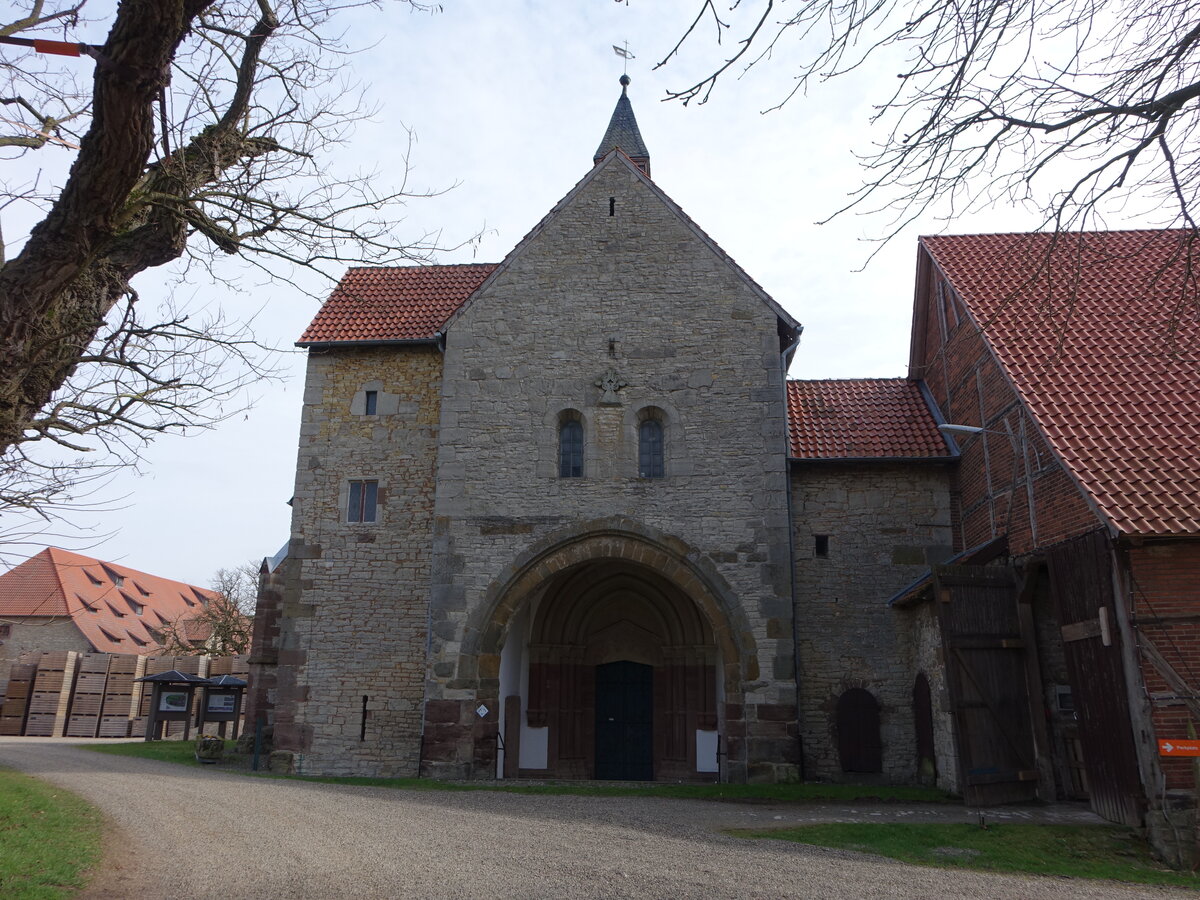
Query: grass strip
182	752
1107	852
48	839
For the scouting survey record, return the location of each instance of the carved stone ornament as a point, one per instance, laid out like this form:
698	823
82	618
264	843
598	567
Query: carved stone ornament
610	383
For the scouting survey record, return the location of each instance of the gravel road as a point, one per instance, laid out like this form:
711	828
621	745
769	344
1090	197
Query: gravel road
178	832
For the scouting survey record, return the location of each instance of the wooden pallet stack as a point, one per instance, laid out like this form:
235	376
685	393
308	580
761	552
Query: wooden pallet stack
238	666
16	698
88	700
51	696
122	695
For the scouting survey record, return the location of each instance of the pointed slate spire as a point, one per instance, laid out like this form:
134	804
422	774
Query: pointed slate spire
623	133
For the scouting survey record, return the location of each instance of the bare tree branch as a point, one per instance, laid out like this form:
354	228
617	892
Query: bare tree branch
206	132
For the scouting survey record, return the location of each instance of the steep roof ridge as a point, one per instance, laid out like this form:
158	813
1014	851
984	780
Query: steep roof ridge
103	624
53	568
416	307
623	158
623	133
1102	432
1042	433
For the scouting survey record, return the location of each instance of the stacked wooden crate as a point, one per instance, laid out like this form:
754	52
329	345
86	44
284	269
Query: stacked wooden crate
88	700
16	698
122	695
51	694
238	666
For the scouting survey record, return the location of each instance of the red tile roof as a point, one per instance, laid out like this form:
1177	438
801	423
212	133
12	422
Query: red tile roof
1099	333
861	418
401	303
58	583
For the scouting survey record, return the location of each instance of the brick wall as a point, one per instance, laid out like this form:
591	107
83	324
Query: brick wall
1165	589
355	594
885	524
1015	487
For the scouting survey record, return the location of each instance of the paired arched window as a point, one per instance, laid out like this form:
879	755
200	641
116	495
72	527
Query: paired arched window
650	449
570	448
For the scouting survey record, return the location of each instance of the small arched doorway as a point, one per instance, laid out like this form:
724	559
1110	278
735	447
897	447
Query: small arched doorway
860	746
617	673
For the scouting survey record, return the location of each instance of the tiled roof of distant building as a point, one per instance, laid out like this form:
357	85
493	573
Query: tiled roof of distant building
1100	334
400	303
116	608
862	418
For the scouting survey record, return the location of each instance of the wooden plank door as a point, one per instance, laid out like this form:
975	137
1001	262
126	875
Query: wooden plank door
985	649
1081	582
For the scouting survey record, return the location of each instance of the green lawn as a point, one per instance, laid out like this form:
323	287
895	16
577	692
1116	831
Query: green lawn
48	839
181	752
1077	851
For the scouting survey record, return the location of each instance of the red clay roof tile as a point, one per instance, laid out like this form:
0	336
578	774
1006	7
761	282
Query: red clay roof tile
401	303
1100	334
861	418
59	583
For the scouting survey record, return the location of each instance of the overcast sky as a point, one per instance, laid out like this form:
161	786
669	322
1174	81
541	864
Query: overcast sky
508	100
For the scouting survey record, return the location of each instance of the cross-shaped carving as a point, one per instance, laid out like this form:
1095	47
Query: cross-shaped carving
610	383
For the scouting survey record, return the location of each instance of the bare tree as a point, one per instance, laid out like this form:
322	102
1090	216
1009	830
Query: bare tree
226	622
1077	108
199	130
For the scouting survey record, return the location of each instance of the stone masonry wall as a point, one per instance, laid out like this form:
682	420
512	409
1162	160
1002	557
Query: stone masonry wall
41	633
885	524
615	282
353	625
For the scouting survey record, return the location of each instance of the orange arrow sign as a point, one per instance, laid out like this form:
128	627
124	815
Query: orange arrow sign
1178	748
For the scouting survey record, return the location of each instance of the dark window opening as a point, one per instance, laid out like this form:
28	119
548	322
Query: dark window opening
361	507
5	630
570	449
372	403
821	545
612	206
650	449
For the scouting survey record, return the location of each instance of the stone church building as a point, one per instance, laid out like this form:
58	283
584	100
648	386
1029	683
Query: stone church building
566	516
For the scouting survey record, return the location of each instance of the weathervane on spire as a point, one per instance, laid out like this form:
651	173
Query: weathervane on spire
624	53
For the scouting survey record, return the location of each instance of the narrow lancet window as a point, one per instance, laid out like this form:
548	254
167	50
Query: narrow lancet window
650	449
570	449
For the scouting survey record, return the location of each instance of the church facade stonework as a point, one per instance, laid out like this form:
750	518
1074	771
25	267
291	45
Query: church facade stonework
550	521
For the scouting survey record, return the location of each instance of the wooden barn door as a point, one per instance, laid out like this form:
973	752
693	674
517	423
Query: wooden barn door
985	649
1081	581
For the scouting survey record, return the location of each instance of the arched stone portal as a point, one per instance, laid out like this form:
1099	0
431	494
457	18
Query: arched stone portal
578	603
601	722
